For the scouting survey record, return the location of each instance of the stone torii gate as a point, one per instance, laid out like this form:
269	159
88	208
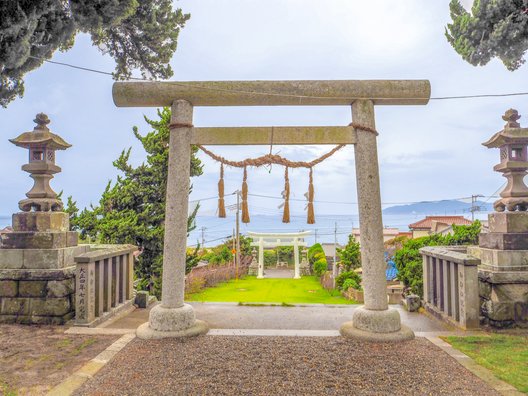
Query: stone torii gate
173	318
263	240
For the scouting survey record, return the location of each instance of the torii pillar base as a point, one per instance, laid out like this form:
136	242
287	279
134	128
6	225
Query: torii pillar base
171	323
376	326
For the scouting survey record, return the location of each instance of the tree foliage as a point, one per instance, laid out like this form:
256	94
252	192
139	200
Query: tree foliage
408	259
493	28
132	210
350	255
137	34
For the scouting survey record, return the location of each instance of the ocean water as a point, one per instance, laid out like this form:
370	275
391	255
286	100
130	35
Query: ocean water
214	229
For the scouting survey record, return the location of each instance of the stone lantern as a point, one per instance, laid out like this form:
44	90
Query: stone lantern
513	142
42	145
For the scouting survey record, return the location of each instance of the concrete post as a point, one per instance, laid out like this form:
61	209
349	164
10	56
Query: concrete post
297	272
261	259
374	321
173	318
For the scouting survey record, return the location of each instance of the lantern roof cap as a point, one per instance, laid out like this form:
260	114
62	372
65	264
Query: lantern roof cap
41	136
512	132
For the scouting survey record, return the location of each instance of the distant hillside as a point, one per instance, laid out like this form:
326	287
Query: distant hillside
438	208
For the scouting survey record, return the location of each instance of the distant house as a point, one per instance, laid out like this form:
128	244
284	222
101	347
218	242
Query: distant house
388	233
436	225
6	230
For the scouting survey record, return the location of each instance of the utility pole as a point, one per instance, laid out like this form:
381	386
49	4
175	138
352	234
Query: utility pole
474	207
334	265
316	235
237	261
234	245
203	237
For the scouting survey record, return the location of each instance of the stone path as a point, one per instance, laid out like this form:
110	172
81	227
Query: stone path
309	317
219	365
278	273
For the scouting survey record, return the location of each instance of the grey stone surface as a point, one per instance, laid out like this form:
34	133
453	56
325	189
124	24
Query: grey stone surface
284	93
349	330
11	258
484	289
503	241
142	298
61	288
145	332
171	319
506	259
32	288
369	206
44	258
384	321
15	306
509	222
8	288
50	306
412	302
498	311
36	240
35	274
41	221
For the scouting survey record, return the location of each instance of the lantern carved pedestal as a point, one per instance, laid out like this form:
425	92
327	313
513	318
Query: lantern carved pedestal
37	268
503	272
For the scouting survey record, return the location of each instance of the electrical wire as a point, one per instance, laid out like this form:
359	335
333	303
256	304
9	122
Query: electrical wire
197	86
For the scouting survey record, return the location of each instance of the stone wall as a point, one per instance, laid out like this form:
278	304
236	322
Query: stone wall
37	297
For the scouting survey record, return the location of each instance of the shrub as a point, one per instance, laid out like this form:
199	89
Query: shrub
351	283
320	267
348	279
220	255
408	259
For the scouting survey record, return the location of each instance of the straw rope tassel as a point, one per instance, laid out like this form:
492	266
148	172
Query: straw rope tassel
286	214
221	202
311	215
245	210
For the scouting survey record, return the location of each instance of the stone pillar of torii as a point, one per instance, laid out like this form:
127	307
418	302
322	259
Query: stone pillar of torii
173	318
264	240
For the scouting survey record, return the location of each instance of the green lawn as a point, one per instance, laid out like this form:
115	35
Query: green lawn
306	290
506	356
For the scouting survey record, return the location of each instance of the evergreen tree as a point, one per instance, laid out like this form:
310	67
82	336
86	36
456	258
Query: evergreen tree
137	34
132	210
350	256
493	28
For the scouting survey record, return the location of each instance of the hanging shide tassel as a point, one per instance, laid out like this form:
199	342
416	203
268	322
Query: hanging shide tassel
286	214
311	215
221	203
245	210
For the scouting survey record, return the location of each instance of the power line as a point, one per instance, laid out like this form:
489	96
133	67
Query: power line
272	93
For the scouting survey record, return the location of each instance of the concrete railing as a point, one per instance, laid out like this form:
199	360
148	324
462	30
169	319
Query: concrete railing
104	282
450	285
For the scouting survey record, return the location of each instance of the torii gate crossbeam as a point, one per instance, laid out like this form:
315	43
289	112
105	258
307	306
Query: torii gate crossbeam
174	318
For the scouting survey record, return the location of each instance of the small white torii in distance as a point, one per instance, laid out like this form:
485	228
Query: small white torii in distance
264	240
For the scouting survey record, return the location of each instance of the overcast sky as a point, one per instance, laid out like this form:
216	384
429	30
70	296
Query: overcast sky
428	152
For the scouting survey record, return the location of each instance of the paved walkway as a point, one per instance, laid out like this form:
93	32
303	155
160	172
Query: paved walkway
278	273
309	317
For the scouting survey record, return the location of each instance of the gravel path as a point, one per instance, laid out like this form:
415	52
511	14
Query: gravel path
216	365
